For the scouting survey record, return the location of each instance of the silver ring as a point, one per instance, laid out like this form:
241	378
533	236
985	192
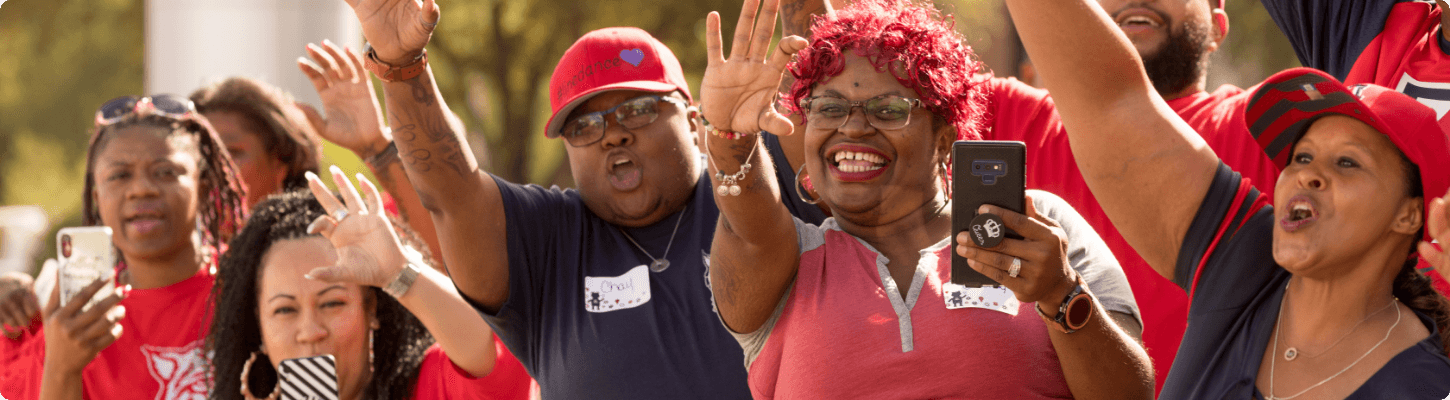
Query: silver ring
1016	267
339	215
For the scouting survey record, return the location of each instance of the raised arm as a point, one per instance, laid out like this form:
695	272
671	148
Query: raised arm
465	203
1147	167
355	122
369	253
754	256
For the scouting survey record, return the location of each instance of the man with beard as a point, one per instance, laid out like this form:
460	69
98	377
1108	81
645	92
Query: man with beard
1174	38
1400	45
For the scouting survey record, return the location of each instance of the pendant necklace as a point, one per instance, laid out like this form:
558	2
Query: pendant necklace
658	264
1293	352
1273	358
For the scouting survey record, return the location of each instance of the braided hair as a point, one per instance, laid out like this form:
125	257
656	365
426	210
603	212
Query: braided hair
398	346
220	209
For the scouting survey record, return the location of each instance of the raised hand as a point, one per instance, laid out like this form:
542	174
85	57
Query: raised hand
73	337
738	93
1045	275
354	119
368	250
1439	227
397	29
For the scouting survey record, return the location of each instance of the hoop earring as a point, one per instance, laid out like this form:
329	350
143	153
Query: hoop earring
246	373
799	174
946	178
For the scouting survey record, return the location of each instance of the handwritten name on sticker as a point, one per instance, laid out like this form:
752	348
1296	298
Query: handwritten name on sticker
614	293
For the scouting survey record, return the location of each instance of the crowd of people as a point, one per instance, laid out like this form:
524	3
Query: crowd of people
1274	242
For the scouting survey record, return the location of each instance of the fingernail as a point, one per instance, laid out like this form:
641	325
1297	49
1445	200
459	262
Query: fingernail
311	176
327	41
361	177
312	227
335	170
308	276
301	59
982	209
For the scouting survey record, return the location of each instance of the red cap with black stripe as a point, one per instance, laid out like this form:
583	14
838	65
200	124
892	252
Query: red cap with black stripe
1284	106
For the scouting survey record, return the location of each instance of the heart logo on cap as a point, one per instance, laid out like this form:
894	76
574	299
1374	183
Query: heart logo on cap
632	56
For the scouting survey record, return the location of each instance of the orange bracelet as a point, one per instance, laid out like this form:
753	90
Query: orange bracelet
389	73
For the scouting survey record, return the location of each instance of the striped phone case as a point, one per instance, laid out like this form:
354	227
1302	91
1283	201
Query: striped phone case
309	378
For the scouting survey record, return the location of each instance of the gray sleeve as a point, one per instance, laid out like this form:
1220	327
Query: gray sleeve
1090	256
809	237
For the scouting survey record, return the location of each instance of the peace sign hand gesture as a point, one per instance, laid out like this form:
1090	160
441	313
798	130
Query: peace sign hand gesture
397	29
738	93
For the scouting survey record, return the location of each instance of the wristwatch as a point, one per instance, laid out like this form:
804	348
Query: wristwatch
1074	313
392	73
404	281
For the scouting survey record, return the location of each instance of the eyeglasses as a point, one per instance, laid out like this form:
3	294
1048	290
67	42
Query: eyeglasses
166	105
631	114
883	112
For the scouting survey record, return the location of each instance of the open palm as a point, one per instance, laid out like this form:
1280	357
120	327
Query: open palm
737	93
368	250
353	117
397	29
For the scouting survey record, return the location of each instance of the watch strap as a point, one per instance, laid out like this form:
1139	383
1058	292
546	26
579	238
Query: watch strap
1078	295
404	281
391	73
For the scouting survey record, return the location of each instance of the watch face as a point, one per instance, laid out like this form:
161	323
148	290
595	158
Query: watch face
1079	310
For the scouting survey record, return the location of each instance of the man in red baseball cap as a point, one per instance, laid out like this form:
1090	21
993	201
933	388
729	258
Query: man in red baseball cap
600	292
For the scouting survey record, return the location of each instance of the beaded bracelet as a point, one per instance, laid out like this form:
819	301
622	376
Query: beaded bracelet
717	132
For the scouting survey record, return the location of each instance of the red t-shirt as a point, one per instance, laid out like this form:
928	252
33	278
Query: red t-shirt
1020	112
158	356
439	378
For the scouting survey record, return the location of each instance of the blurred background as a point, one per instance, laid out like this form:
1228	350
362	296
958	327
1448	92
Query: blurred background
492	58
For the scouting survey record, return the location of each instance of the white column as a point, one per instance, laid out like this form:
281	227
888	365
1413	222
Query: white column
190	43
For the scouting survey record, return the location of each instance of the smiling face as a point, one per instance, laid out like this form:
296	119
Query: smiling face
146	181
1174	38
1344	195
636	177
867	175
300	317
260	170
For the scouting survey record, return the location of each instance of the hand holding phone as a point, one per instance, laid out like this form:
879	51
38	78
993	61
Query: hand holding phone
85	254
308	378
984	172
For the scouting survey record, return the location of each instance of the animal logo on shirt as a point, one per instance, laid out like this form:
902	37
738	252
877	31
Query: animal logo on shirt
179	371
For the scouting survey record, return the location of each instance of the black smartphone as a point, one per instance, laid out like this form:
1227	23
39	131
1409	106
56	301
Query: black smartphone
984	172
308	378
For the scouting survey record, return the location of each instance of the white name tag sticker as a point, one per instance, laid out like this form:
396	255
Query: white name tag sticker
614	293
991	298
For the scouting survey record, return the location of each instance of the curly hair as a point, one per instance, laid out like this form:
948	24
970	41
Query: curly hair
221	191
910	40
398	345
285	131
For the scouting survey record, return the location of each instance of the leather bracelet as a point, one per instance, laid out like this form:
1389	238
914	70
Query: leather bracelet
404	281
379	162
390	73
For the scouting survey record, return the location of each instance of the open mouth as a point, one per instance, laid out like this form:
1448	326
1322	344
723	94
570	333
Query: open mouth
624	173
1138	19
856	163
1301	212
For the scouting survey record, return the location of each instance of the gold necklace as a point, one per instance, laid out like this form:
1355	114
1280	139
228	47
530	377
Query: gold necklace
1273	359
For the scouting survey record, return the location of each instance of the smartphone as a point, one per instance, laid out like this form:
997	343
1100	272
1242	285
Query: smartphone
984	172
85	254
308	378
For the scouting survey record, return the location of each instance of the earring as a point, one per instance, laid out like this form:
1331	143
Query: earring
800	174
246	373
946	178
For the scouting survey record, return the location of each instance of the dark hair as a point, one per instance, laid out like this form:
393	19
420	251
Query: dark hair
910	40
1413	288
398	346
221	192
285	131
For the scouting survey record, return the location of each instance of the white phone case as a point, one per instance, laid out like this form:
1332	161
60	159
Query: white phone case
85	253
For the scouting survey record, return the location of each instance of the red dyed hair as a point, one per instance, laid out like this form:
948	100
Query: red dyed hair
910	40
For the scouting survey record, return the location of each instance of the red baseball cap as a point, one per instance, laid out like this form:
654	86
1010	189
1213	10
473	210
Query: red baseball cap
620	58
1284	106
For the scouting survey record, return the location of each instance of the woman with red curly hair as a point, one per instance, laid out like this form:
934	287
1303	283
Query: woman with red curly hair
862	305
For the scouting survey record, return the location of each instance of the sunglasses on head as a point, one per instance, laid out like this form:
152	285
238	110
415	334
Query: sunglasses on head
883	112
166	105
634	113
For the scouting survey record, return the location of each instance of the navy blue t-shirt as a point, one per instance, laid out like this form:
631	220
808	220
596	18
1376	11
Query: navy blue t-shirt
787	178
577	338
1234	303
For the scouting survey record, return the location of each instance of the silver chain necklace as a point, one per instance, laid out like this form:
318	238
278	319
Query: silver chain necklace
1274	357
658	264
1293	352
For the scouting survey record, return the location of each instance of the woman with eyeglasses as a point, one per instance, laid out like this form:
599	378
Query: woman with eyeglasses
300	282
859	306
161	179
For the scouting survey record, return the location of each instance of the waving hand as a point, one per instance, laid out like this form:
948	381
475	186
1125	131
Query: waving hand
738	93
397	29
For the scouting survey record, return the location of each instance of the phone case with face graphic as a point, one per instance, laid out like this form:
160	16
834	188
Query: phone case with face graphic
984	172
